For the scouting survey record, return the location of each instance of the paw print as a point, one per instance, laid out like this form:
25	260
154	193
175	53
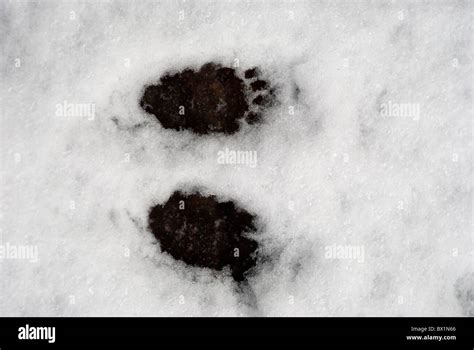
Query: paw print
205	232
213	99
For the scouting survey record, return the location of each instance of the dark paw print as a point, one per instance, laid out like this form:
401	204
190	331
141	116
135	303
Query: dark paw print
213	99
201	231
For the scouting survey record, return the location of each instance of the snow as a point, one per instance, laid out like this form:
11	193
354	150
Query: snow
333	169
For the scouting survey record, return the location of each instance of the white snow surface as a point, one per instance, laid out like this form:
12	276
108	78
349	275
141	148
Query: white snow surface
338	172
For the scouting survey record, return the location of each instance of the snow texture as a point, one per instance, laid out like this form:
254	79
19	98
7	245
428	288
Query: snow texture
363	181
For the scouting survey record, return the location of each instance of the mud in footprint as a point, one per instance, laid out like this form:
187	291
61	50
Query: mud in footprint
203	232
213	99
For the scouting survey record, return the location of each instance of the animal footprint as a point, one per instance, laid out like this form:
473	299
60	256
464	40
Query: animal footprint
204	232
214	99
